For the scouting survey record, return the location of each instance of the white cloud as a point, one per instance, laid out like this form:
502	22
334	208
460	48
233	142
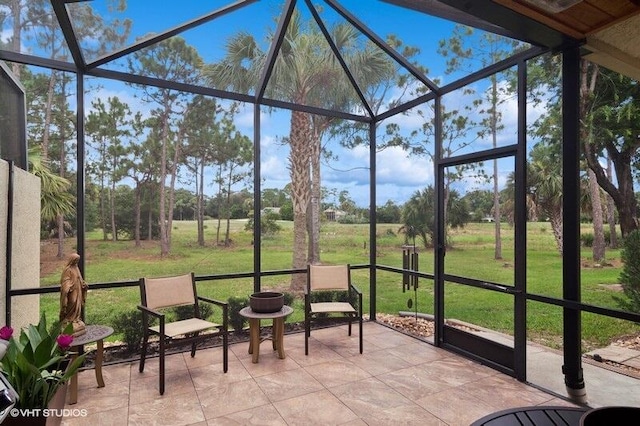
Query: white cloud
409	120
274	168
267	141
395	166
124	94
244	118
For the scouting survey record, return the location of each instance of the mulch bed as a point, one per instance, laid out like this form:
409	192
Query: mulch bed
117	352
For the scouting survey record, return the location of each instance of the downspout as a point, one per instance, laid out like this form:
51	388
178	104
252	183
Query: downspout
572	325
257	225
372	221
440	242
80	180
520	234
9	247
80	175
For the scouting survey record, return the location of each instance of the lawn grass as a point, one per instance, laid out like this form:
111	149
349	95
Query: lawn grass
472	255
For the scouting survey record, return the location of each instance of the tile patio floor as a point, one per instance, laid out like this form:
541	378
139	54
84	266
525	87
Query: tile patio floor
398	380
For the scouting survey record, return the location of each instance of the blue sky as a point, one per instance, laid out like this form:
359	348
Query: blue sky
398	175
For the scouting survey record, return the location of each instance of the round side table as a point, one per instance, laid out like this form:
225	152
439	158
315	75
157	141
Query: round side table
277	333
94	333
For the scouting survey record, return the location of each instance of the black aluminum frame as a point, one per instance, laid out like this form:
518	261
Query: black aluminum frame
480	13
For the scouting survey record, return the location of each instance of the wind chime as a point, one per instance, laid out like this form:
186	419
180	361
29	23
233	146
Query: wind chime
409	280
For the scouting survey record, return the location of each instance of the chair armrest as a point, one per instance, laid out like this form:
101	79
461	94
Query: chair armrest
307	302
225	310
359	296
151	312
214	301
145	321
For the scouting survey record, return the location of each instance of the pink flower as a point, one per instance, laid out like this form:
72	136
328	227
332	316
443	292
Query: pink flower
64	340
6	333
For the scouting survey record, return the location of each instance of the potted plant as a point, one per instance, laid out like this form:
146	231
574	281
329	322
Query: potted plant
37	366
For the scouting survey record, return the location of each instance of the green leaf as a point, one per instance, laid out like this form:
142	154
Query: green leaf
32	364
43	352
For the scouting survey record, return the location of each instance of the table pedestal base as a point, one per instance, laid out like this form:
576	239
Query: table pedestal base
277	335
95	333
277	338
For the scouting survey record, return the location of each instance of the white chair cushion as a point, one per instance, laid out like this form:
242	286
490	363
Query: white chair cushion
191	325
327	307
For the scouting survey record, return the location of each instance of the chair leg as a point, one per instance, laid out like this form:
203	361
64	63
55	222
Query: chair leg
193	346
225	352
349	325
161	359
307	332
360	333
143	354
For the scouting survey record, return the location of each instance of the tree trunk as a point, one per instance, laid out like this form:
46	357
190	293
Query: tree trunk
496	188
445	216
598	247
112	201
219	197
587	87
299	162
319	124
16	40
624	195
227	237
60	225
60	218
172	188
136	208
611	212
162	214
150	216
496	213
47	116
103	213
177	153
200	204
555	218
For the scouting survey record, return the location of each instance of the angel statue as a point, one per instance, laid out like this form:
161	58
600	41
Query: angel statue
73	294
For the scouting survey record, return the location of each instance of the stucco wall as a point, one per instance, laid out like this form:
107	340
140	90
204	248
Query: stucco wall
25	252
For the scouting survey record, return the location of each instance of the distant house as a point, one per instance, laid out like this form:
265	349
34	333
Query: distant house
332	215
270	210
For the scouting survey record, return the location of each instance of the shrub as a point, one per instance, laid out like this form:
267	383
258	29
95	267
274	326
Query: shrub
186	312
630	275
130	325
236	320
607	236
288	298
587	239
268	224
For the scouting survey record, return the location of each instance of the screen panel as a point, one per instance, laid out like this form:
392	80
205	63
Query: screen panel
13	140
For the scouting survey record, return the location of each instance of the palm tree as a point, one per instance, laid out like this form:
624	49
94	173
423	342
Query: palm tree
544	177
55	198
306	72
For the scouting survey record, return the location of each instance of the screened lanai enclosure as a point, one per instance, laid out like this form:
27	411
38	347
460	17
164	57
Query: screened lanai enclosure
446	150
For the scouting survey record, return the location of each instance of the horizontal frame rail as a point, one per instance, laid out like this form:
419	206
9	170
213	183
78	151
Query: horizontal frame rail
584	307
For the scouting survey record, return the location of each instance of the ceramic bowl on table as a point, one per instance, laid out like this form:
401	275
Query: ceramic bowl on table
266	301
